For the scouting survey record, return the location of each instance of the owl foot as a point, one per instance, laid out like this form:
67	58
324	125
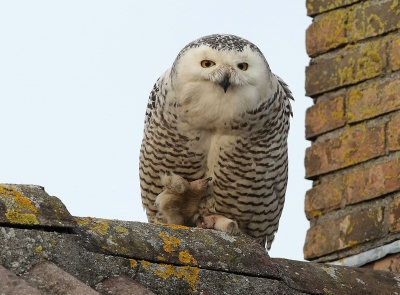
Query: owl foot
200	185
217	222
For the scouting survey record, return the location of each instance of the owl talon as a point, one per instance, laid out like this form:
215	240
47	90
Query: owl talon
199	221
233	228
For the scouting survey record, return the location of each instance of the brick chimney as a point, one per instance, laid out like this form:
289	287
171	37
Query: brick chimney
354	126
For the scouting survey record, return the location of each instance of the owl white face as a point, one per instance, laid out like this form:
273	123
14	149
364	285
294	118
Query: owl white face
221	84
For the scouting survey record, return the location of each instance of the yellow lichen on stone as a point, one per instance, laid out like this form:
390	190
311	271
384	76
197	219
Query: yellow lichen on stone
352	243
372	63
316	213
19	202
393	7
188	273
186	257
328	292
101	227
53	242
175	226
170	242
347	73
319	239
160	258
378	21
145	264
24	203
20	218
132	263
121	229
82	221
38	249
8	192
124	250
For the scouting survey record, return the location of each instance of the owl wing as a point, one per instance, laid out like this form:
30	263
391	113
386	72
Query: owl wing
166	147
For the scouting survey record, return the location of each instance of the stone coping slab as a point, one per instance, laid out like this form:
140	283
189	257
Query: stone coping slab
178	245
30	205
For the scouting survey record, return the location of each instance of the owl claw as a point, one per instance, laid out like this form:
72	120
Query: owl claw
200	221
233	228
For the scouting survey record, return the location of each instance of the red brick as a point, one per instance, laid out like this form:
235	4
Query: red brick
12	284
390	262
325	197
394	216
369	19
373	100
122	285
372	182
394	134
324	117
318	6
344	232
395	54
326	32
353	64
358	144
46	276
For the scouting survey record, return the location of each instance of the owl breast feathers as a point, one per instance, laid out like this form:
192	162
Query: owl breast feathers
220	112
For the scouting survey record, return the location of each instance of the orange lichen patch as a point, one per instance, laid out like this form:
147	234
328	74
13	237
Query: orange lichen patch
175	226
132	263
24	203
19	218
121	229
188	273
145	264
8	192
160	258
20	202
38	249
186	257
170	242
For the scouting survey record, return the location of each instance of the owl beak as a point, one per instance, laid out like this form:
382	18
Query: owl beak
225	83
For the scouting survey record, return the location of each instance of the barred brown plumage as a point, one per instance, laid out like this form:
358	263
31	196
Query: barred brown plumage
239	138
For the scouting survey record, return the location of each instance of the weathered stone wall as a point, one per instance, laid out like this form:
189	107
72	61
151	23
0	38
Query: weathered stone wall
354	126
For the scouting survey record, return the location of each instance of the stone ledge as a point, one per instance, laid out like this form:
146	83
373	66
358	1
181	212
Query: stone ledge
30	205
105	256
178	245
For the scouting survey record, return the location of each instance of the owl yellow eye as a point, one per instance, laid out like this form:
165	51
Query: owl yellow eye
207	63
243	66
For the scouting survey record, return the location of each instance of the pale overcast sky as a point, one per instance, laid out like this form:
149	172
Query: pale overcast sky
74	81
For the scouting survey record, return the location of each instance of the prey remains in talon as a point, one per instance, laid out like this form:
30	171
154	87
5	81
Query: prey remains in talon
180	199
217	222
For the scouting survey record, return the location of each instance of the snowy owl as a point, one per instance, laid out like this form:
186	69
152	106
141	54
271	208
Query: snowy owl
220	112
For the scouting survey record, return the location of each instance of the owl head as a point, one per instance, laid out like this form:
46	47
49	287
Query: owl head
221	72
